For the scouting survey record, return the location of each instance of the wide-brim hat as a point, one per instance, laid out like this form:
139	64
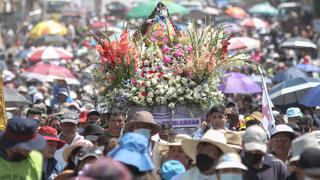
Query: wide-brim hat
178	140
68	150
213	137
234	139
143	117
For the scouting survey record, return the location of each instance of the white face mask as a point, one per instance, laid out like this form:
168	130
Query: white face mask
144	132
230	176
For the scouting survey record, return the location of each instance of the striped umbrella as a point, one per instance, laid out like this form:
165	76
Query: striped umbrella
243	43
255	23
50	72
49	53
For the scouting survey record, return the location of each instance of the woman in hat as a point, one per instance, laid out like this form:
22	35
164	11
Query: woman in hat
51	167
206	153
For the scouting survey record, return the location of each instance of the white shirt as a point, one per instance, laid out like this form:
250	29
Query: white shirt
58	155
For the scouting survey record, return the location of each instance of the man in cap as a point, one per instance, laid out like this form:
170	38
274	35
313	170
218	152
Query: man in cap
281	138
294	115
309	163
68	126
206	153
51	167
230	167
62	97
18	156
261	165
116	122
144	124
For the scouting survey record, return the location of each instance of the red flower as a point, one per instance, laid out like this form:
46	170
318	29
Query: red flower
133	81
225	43
160	74
144	94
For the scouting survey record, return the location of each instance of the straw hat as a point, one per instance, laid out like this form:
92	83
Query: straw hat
143	117
234	139
213	137
68	150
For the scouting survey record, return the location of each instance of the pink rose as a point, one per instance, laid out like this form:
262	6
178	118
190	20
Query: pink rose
178	46
178	53
189	48
165	49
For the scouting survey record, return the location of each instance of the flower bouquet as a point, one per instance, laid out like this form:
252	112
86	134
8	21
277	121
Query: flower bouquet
160	65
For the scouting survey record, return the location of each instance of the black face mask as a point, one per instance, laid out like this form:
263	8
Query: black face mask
17	157
204	162
253	158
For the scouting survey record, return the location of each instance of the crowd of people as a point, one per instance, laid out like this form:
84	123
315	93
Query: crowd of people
65	134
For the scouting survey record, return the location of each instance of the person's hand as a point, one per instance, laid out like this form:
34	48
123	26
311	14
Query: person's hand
203	125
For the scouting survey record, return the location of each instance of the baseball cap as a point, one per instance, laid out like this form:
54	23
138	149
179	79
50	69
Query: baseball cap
294	112
310	161
308	140
282	128
70	116
86	151
255	138
230	160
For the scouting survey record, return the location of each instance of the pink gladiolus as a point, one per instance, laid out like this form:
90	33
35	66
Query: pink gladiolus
165	49
178	53
189	48
178	46
166	59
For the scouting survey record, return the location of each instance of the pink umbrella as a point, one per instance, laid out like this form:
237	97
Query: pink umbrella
255	23
237	83
49	53
50	72
244	43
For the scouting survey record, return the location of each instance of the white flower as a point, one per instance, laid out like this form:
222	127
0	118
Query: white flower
174	95
157	92
148	83
196	95
149	100
165	87
178	78
133	89
192	83
178	85
181	99
170	91
135	99
154	81
184	81
150	95
180	91
171	105
142	89
162	91
162	100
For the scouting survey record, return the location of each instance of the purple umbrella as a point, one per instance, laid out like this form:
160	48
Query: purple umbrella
237	83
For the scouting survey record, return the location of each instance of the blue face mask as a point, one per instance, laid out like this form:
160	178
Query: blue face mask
144	132
230	176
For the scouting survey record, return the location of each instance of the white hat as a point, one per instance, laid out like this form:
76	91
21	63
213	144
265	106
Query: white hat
255	138
308	140
213	137
230	160
282	128
71	117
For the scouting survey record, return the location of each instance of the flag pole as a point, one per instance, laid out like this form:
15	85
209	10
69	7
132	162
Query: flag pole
3	117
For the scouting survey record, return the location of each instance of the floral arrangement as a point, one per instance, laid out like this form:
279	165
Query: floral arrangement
160	65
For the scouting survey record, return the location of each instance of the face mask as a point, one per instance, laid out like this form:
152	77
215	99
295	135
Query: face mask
204	162
230	176
17	157
144	132
253	158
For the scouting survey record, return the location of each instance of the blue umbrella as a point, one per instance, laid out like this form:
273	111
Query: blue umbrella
291	73
264	8
311	99
308	67
291	91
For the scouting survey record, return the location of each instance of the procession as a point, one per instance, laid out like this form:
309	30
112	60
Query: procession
159	90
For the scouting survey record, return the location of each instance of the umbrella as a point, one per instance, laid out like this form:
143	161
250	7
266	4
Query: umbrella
308	67
291	91
23	54
49	53
291	73
50	40
144	9
298	43
14	99
236	12
48	27
229	27
311	99
239	83
264	8
257	79
50	72
211	11
244	43
255	23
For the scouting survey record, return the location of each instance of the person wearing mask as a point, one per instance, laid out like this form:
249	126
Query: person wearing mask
19	158
116	121
144	124
230	167
92	132
205	153
171	168
280	143
34	114
51	167
69	135
260	164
